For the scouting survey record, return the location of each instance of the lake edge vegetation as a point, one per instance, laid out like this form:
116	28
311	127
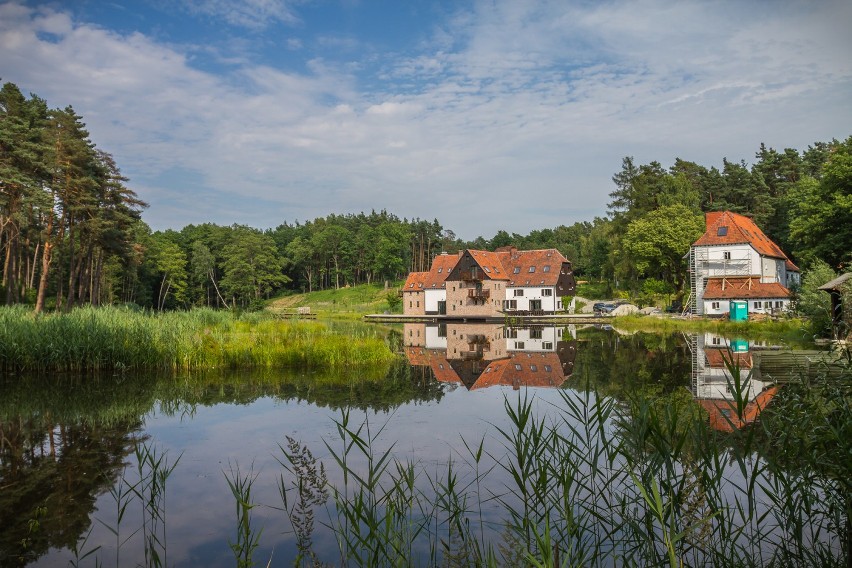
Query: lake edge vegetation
120	339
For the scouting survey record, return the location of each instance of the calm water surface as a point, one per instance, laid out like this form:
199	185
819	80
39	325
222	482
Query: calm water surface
63	441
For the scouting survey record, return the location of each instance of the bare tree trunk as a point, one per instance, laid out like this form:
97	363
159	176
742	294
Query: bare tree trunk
42	283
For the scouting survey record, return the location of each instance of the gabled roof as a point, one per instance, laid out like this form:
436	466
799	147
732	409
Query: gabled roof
415	282
716	358
491	263
728	228
836	283
743	288
531	370
440	269
546	265
521	267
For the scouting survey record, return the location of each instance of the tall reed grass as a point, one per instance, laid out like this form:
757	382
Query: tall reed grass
94	339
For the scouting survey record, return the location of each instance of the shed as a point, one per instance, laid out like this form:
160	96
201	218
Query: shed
838	310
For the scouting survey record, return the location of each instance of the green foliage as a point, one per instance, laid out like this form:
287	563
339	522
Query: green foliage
658	241
89	339
821	210
813	303
252	266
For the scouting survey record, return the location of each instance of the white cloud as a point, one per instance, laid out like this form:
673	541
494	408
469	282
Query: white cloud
516	114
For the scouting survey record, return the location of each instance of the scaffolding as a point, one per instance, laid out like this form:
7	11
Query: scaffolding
697	363
702	267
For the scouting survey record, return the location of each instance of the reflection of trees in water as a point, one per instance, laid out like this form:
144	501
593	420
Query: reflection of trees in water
51	472
618	364
63	441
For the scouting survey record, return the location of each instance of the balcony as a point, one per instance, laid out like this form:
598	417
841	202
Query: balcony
478	294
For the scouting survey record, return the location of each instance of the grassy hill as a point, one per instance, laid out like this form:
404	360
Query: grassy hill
351	302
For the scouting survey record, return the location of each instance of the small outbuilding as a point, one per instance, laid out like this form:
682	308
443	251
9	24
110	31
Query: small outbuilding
841	315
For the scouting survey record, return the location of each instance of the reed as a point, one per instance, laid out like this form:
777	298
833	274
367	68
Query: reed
118	339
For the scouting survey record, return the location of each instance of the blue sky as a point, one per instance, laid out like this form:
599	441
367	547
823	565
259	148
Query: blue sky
500	114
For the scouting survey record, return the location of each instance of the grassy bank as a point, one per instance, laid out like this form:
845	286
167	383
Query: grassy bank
345	303
790	329
90	339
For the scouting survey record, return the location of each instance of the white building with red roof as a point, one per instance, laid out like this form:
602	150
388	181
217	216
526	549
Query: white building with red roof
476	283
735	260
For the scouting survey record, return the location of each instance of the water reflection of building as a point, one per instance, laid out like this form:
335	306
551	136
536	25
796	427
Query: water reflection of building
480	355
715	362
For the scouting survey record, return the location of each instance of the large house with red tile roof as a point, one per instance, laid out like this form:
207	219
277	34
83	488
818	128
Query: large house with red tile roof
481	355
476	283
735	260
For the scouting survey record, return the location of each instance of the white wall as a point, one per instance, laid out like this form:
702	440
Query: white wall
766	306
744	260
433	296
548	303
549	335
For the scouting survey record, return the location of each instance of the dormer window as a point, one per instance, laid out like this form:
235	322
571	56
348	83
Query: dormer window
722	231
546	268
532	269
517	270
440	270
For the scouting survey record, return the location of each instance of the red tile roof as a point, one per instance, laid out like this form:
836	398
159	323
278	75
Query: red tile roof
546	265
716	358
723	413
743	288
543	370
440	269
415	282
738	229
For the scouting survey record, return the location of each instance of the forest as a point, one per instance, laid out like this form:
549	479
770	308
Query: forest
72	232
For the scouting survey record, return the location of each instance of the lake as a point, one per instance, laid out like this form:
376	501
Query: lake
68	442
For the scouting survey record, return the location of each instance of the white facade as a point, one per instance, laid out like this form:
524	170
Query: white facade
755	305
522	297
740	260
536	340
433	296
436	337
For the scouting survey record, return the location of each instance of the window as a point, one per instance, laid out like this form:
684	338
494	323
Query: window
510	304
533	368
546	269
536	333
547	345
715	305
722	231
726	255
758	305
519	345
519	291
717	341
548	368
485	268
517	270
517	367
532	269
440	270
418	303
510	333
547	291
779	304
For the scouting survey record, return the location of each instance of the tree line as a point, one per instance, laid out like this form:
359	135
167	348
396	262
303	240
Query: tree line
71	231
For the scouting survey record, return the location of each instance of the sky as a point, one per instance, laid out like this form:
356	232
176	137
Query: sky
485	115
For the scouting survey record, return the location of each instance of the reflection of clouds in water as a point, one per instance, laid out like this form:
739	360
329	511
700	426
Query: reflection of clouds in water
201	515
